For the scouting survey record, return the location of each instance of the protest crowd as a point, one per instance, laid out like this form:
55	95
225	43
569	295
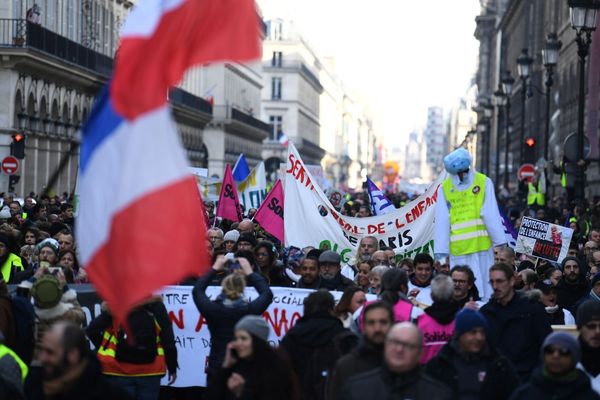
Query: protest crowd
398	328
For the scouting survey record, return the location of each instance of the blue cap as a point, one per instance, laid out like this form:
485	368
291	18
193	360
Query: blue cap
457	161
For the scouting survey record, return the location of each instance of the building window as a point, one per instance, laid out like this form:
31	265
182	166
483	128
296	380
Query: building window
276	88
275	30
276	122
276	60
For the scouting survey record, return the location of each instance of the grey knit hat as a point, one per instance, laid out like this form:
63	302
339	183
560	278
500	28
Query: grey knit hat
254	325
232	235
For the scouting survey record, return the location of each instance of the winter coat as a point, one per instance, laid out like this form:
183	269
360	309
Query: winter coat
364	358
500	378
339	283
7	319
518	330
381	383
98	325
312	345
568	294
221	315
543	387
91	385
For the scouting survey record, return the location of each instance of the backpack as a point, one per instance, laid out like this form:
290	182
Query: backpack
141	348
24	316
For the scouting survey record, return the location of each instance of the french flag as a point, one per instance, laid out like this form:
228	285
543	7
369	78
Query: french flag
140	224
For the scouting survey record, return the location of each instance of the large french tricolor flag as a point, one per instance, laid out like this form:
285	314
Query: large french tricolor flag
140	224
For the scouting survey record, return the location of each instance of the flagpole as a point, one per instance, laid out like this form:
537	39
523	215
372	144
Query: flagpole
61	166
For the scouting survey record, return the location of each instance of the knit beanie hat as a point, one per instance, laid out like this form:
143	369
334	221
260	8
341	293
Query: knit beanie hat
254	325
247	238
232	236
50	243
466	320
569	258
564	340
588	311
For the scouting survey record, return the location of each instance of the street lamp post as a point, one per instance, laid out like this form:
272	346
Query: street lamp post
583	20
523	66
488	110
500	100
507	87
549	58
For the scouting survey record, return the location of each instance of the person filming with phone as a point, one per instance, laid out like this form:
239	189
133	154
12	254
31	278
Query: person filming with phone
231	305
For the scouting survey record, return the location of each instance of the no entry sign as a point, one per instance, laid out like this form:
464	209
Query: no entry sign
10	165
526	172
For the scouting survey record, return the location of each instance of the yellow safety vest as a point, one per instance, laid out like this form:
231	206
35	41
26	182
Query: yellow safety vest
468	233
110	366
13	260
563	175
5	351
534	196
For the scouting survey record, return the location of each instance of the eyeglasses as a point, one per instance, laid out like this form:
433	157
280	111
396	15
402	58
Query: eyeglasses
400	343
561	351
214	237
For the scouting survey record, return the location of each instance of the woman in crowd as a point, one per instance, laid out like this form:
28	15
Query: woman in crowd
352	299
362	277
230	306
375	279
252	369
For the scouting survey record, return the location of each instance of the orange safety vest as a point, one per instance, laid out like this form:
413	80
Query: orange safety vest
110	366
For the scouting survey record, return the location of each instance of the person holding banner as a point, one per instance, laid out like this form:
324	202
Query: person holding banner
467	221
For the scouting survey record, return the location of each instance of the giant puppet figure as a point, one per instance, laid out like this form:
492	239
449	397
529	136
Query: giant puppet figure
467	221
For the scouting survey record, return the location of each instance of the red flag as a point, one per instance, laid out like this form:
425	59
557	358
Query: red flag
229	203
270	213
126	235
161	41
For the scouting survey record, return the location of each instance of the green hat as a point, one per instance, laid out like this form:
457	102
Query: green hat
46	292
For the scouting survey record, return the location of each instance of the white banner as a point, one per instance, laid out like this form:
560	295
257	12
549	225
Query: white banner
192	337
311	220
251	191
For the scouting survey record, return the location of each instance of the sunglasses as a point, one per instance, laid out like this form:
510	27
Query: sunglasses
561	351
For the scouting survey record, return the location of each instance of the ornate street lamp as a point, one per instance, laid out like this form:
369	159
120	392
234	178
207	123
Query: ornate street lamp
583	20
549	58
523	67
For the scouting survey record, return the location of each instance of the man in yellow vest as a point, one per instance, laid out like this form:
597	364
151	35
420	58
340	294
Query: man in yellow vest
536	192
467	220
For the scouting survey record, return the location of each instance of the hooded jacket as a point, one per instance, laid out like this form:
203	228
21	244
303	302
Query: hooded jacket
542	387
568	293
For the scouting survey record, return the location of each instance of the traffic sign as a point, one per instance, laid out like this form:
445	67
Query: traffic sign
10	165
570	147
526	172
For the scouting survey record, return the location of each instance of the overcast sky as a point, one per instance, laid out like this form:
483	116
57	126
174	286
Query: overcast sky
403	55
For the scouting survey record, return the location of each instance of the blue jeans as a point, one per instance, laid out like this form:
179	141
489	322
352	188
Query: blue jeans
140	387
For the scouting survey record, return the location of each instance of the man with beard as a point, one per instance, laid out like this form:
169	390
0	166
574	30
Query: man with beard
465	291
573	285
378	318
470	366
366	247
588	323
68	370
309	272
518	326
329	270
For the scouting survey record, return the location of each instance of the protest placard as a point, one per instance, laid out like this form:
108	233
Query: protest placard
543	240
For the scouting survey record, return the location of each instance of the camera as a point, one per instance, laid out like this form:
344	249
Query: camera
231	262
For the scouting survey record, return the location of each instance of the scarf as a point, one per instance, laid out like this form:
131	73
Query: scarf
65	382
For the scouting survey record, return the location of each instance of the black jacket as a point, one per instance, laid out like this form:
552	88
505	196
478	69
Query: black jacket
518	330
339	283
443	312
543	387
381	383
364	358
96	329
91	385
311	346
568	294
500	376
221	317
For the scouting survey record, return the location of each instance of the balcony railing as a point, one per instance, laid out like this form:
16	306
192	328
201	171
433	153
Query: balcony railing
20	33
181	97
230	113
